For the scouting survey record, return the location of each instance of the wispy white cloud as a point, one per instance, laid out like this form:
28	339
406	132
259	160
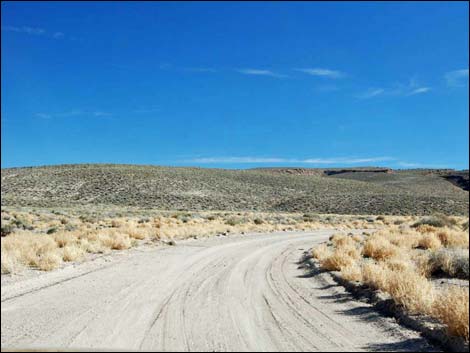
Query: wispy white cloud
410	89
58	35
457	78
419	90
322	72
421	165
72	113
267	160
371	92
200	69
36	31
25	29
258	72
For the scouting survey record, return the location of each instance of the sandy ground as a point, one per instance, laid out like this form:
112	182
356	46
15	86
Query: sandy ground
237	293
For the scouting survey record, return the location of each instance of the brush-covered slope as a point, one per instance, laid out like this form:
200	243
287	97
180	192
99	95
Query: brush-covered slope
348	192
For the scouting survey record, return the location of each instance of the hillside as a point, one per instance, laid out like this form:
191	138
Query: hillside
343	191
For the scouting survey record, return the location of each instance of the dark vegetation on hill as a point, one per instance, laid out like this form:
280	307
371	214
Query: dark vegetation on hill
335	190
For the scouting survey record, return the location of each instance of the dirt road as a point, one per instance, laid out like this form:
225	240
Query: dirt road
223	294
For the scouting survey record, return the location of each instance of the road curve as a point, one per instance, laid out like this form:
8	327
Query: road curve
237	293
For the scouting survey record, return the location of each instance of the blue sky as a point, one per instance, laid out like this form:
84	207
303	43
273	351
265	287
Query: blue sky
235	85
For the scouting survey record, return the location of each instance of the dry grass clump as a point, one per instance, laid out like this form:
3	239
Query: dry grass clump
429	241
321	252
407	239
400	265
453	238
28	250
451	262
357	238
72	253
336	261
352	272
411	290
452	308
437	221
426	228
379	248
344	255
407	288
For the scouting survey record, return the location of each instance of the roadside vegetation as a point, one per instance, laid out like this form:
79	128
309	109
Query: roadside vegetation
45	239
422	264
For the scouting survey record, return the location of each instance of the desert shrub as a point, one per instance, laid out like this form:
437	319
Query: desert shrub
408	240
6	229
21	223
452	308
321	251
437	221
411	290
340	240
136	233
51	230
426	228
429	241
374	275
352	272
336	261
10	263
232	221
465	226
453	262
357	238
399	265
48	261
118	242
72	253
407	288
258	221
379	248
62	239
307	217
453	238
87	219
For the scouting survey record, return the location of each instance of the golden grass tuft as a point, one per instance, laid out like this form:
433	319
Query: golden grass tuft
48	261
429	241
357	238
72	253
407	288
452	308
352	272
453	238
426	228
411	290
379	248
336	261
320	252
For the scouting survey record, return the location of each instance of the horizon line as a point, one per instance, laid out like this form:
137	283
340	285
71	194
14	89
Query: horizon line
246	168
